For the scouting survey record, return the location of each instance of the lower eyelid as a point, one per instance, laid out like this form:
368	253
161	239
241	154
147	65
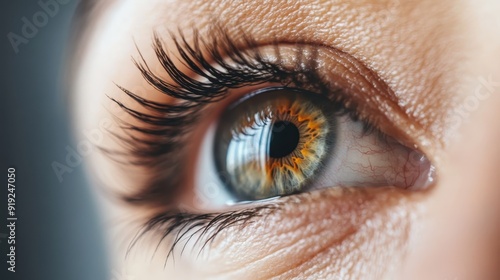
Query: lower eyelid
303	226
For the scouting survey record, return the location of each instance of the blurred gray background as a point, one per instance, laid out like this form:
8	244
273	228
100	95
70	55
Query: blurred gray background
58	234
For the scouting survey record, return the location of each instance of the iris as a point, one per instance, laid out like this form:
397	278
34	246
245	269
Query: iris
274	142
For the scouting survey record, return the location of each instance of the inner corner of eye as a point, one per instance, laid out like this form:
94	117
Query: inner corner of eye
281	141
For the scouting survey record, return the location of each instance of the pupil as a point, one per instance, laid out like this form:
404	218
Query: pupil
284	139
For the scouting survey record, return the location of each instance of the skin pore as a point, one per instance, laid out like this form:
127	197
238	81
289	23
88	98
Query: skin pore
434	55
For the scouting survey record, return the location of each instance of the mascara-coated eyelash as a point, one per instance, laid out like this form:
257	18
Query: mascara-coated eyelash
213	68
225	66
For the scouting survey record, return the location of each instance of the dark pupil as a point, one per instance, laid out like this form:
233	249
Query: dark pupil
284	139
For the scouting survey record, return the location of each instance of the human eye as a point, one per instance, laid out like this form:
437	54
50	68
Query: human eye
248	126
284	140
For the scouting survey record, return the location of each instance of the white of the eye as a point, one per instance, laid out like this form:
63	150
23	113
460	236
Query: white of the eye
209	189
365	160
356	159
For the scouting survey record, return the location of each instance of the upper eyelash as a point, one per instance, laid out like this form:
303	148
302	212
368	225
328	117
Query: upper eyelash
242	65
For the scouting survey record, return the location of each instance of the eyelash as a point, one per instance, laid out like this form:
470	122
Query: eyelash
187	225
242	65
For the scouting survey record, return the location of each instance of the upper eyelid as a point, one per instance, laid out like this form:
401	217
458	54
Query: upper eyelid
383	96
414	134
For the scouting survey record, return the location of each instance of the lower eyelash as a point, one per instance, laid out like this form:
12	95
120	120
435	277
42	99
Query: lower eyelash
207	226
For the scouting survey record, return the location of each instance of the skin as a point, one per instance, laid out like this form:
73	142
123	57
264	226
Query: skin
438	57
